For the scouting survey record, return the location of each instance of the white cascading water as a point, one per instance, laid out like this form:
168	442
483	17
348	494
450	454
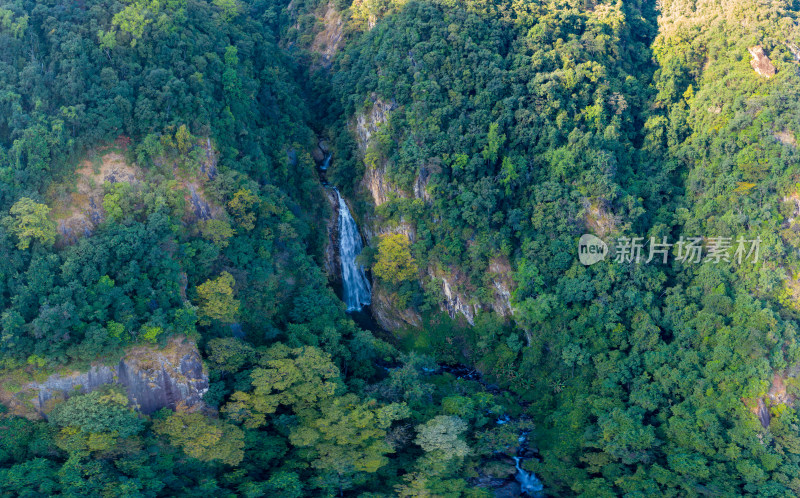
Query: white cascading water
357	293
326	163
528	482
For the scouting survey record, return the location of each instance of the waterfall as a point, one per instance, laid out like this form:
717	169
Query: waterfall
528	482
355	283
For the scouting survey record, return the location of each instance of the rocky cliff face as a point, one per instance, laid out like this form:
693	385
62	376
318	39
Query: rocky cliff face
367	122
173	377
332	265
782	391
83	210
457	297
386	312
375	228
461	298
377	184
328	41
457	303
503	285
761	63
375	180
421	185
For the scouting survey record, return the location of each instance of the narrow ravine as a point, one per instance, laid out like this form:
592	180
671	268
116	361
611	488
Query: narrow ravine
356	288
529	484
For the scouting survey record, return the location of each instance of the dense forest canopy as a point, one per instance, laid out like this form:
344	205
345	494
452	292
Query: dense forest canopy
163	170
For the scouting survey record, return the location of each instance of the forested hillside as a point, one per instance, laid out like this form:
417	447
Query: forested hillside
169	233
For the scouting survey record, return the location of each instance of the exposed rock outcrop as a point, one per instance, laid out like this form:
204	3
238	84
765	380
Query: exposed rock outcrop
367	122
79	209
761	63
327	42
598	218
795	50
320	151
153	378
459	298
375	180
366	125
82	211
777	391
209	166
786	137
377	184
496	476
762	412
421	185
200	207
332	264
157	378
388	315
456	302
783	391
499	275
373	229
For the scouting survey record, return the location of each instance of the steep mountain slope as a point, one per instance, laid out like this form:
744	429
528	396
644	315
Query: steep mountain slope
161	165
507	130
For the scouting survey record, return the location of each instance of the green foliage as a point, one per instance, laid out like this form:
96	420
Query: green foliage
242	208
442	435
494	142
111	205
394	262
216	299
228	8
510	128
203	438
139	14
98	412
216	231
13	24
299	378
33	476
183	139
29	221
349	436
150	333
229	354
36	360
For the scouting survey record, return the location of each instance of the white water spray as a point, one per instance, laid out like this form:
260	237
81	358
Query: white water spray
357	292
528	482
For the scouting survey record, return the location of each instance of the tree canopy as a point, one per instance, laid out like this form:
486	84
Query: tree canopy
162	173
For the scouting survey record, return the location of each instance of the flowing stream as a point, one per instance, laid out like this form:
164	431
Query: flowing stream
357	294
356	289
528	482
